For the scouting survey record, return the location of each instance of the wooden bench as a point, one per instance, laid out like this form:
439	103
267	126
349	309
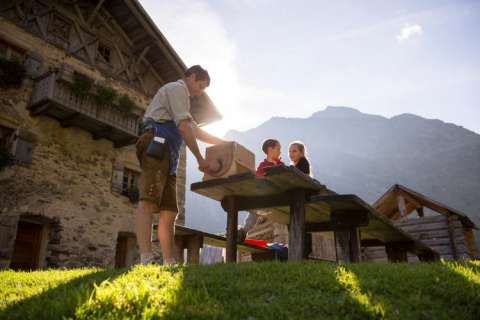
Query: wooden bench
305	205
193	240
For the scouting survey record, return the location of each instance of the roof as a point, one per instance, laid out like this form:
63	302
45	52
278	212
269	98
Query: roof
140	28
387	204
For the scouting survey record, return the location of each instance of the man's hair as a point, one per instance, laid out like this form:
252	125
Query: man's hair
269	143
200	73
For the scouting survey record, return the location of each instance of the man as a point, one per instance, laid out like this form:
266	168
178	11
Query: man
167	118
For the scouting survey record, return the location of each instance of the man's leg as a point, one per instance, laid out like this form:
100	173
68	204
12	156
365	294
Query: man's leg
143	229
166	233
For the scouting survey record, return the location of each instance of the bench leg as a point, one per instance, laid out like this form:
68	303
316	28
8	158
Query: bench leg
232	230
347	245
396	252
428	256
179	246
296	234
194	243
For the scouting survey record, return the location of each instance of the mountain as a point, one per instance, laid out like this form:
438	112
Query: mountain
354	152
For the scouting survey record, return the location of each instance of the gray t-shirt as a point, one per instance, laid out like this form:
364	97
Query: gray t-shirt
171	102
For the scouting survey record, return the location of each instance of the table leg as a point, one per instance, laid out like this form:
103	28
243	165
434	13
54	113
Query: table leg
347	245
296	234
232	229
179	246
194	243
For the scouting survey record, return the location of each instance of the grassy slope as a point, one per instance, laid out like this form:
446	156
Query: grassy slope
247	291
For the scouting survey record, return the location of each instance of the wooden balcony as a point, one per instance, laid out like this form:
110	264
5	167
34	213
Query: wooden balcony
52	96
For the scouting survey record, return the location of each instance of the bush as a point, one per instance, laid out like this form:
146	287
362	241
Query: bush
81	85
125	104
104	96
12	74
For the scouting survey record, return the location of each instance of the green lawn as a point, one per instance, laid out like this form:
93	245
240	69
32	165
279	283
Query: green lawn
443	290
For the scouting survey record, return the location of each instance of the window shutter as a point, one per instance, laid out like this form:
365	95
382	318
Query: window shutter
117	177
23	151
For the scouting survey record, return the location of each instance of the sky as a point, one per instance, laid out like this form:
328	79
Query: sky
271	58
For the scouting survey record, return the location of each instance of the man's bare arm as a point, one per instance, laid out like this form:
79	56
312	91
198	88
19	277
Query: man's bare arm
187	132
205	136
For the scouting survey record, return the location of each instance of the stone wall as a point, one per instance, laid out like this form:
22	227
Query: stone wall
69	179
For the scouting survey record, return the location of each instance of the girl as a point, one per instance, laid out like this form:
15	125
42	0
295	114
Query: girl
297	152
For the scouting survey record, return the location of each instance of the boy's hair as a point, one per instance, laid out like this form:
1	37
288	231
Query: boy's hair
300	145
269	143
200	73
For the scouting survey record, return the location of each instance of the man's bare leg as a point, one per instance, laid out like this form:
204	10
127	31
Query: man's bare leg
143	228
166	233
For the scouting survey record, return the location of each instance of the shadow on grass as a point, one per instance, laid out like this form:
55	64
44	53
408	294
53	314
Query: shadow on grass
60	301
265	290
441	290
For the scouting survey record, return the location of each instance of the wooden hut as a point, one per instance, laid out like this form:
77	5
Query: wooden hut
446	230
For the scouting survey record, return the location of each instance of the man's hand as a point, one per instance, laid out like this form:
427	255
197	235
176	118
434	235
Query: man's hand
203	165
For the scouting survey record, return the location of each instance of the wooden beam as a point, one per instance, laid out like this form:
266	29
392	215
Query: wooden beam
296	234
346	219
318	227
67	122
260	202
94	12
232	229
371	243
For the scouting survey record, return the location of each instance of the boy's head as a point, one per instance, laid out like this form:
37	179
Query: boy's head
271	147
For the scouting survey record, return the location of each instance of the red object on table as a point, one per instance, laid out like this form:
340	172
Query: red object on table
256	243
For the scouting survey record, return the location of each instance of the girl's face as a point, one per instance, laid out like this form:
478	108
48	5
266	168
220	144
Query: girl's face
294	153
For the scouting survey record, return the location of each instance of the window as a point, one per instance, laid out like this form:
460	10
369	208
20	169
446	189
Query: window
130	184
103	54
14	149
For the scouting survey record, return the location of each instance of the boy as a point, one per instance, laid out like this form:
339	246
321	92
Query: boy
271	148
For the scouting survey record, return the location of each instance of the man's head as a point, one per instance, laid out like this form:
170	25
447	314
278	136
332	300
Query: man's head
196	79
271	147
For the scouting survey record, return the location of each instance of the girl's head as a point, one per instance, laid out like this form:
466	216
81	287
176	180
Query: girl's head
296	150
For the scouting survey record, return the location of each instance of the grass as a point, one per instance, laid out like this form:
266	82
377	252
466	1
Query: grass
308	290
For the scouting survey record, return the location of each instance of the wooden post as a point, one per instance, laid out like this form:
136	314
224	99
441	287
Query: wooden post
396	252
308	245
194	243
420	212
451	235
347	245
296	234
179	246
401	206
232	229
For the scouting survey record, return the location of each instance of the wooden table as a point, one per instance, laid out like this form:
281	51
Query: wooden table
294	198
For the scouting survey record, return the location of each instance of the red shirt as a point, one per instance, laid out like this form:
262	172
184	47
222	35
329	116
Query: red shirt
265	164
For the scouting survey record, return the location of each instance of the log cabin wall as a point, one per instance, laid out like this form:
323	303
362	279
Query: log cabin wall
449	239
65	168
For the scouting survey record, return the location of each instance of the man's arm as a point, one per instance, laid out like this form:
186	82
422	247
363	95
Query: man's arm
206	137
188	135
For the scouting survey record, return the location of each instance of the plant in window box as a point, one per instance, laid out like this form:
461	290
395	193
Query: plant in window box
12	73
81	85
105	96
125	104
6	158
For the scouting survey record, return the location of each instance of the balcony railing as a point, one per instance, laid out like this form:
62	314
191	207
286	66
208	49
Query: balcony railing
54	97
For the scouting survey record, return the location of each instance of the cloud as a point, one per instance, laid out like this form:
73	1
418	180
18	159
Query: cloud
408	31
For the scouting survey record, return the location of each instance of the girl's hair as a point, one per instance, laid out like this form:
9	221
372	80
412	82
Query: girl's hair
300	145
